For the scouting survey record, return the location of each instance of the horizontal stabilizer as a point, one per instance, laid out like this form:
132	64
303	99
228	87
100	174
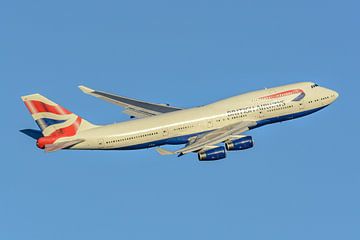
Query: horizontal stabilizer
62	145
33	133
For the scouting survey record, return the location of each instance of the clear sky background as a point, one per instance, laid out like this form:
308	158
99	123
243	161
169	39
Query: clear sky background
301	181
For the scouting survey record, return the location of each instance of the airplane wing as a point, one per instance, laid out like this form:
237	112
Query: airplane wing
211	138
62	145
133	107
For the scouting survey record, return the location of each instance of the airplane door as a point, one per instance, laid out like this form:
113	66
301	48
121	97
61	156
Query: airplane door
210	124
101	143
165	132
261	114
302	105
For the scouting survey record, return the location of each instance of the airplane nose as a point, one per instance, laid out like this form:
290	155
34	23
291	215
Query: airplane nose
334	95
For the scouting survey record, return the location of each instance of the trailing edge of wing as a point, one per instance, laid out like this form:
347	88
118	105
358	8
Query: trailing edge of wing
133	107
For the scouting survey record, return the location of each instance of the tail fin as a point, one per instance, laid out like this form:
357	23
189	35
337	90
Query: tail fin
52	119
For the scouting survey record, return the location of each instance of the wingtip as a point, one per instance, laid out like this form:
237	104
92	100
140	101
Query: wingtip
86	89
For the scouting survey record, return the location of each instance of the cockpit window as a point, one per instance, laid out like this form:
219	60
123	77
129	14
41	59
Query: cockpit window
314	85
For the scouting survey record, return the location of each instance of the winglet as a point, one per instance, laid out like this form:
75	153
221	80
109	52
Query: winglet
86	89
163	151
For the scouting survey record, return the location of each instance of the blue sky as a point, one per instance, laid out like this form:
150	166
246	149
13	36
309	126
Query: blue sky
301	181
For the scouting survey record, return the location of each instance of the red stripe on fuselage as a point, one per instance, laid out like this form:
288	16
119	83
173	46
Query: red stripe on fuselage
283	94
39	107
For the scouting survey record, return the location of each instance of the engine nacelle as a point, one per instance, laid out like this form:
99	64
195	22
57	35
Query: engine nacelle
240	144
212	154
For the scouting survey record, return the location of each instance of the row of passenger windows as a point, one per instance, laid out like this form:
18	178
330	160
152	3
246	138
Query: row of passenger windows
238	116
132	138
280	108
273	105
183	127
322	99
277	106
146	135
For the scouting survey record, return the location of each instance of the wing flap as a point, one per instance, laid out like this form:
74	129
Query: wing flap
133	112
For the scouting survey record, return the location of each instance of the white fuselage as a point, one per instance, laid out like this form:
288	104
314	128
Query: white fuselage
264	107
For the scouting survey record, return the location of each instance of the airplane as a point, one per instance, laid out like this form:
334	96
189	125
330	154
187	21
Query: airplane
210	131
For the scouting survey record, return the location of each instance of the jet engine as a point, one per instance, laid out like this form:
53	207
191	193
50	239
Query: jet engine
212	154
239	144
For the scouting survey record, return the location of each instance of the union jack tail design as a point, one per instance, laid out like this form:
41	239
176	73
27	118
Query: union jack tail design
54	121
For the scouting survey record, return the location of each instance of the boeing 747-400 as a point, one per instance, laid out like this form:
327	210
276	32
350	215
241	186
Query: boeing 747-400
210	131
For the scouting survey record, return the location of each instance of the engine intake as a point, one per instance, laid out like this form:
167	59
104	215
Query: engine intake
240	144
212	154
